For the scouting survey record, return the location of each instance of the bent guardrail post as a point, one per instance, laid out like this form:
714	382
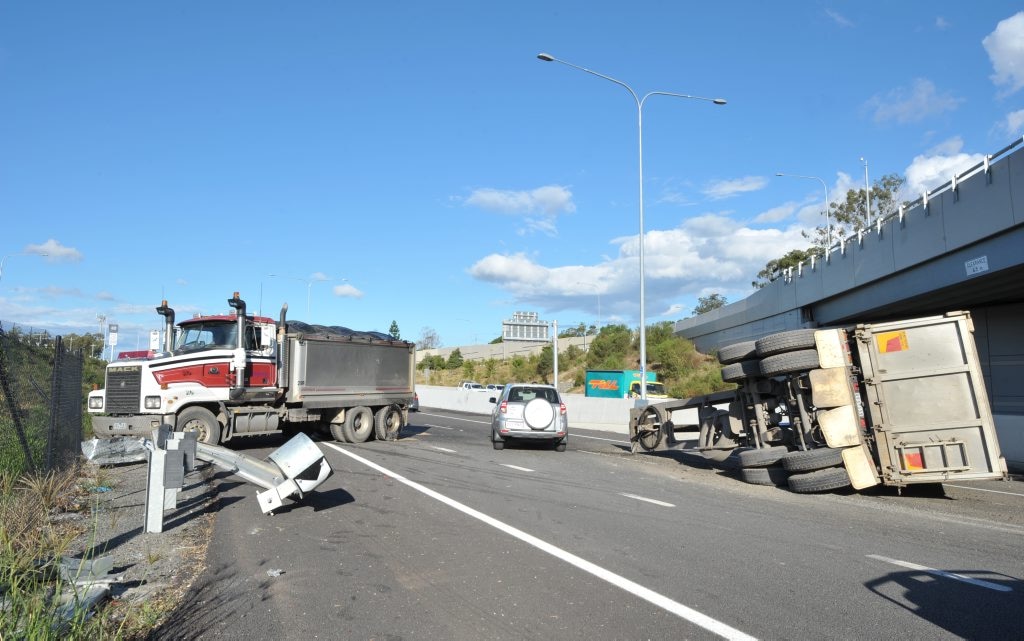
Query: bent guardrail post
296	467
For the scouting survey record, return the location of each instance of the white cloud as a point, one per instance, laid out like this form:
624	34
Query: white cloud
912	104
538	207
729	188
1014	123
550	200
937	166
55	252
706	251
839	18
775	214
1005	47
941	23
347	291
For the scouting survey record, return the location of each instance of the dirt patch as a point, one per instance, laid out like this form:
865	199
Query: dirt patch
152	571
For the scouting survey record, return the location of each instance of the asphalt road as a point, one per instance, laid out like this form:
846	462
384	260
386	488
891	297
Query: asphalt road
438	536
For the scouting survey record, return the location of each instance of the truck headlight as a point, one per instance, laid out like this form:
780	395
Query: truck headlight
95	402
152	402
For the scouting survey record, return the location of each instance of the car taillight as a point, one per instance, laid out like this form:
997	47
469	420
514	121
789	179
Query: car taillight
561	409
503	408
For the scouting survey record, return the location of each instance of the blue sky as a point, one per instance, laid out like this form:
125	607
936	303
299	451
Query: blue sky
415	161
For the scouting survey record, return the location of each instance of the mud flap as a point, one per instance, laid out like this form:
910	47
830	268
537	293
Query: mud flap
840	426
859	467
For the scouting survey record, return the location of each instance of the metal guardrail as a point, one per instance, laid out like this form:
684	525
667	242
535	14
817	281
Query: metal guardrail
294	469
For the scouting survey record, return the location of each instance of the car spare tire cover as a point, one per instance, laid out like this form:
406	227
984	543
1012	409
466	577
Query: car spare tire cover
538	414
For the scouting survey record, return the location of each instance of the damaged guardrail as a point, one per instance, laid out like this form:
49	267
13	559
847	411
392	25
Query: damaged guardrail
295	468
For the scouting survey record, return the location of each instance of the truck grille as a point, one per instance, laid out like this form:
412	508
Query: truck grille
124	385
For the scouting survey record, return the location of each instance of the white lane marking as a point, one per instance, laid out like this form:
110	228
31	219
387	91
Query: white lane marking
643	498
598	438
442	449
981	489
516	467
943	573
680	610
458	418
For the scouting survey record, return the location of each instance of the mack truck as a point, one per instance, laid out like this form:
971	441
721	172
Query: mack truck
890	403
237	374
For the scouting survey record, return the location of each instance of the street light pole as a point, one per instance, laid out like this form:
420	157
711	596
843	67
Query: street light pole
867	191
828	217
640	130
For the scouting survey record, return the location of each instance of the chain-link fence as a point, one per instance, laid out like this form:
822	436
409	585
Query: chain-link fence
40	403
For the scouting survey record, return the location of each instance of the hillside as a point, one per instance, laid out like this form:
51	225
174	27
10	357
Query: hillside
685	371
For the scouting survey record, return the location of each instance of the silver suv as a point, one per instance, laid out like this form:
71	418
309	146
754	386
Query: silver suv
529	412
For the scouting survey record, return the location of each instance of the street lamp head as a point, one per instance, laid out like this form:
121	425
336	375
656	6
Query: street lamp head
719	101
546	57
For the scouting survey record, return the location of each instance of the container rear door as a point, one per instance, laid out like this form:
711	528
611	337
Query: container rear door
927	402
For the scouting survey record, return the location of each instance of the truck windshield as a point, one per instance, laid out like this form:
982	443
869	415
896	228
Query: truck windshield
213	335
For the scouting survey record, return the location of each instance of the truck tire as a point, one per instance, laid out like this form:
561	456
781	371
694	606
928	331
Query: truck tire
338	432
785	342
737	352
358	425
388	423
831	478
811	460
770	475
199	420
737	372
762	456
789	362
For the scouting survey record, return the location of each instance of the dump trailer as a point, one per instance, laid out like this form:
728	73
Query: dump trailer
232	375
891	403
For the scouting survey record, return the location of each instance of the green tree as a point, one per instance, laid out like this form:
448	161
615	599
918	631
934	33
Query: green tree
851	215
777	266
610	347
469	369
708	303
395	334
455	359
545	364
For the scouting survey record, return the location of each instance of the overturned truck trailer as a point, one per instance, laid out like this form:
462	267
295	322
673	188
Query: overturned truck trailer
893	403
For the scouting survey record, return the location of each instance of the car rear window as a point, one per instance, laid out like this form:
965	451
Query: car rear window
527	394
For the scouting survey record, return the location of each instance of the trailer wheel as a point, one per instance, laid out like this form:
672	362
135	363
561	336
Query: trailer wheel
770	475
831	478
388	423
810	460
648	430
358	425
738	372
737	352
202	421
785	342
763	456
790	362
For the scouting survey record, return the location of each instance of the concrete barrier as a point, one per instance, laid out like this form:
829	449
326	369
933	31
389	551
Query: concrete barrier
609	414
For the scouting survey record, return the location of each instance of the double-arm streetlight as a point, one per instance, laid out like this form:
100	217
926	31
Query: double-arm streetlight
828	217
640	100
309	285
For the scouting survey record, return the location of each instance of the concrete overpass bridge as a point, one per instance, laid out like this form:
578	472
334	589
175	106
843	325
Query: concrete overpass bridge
960	246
